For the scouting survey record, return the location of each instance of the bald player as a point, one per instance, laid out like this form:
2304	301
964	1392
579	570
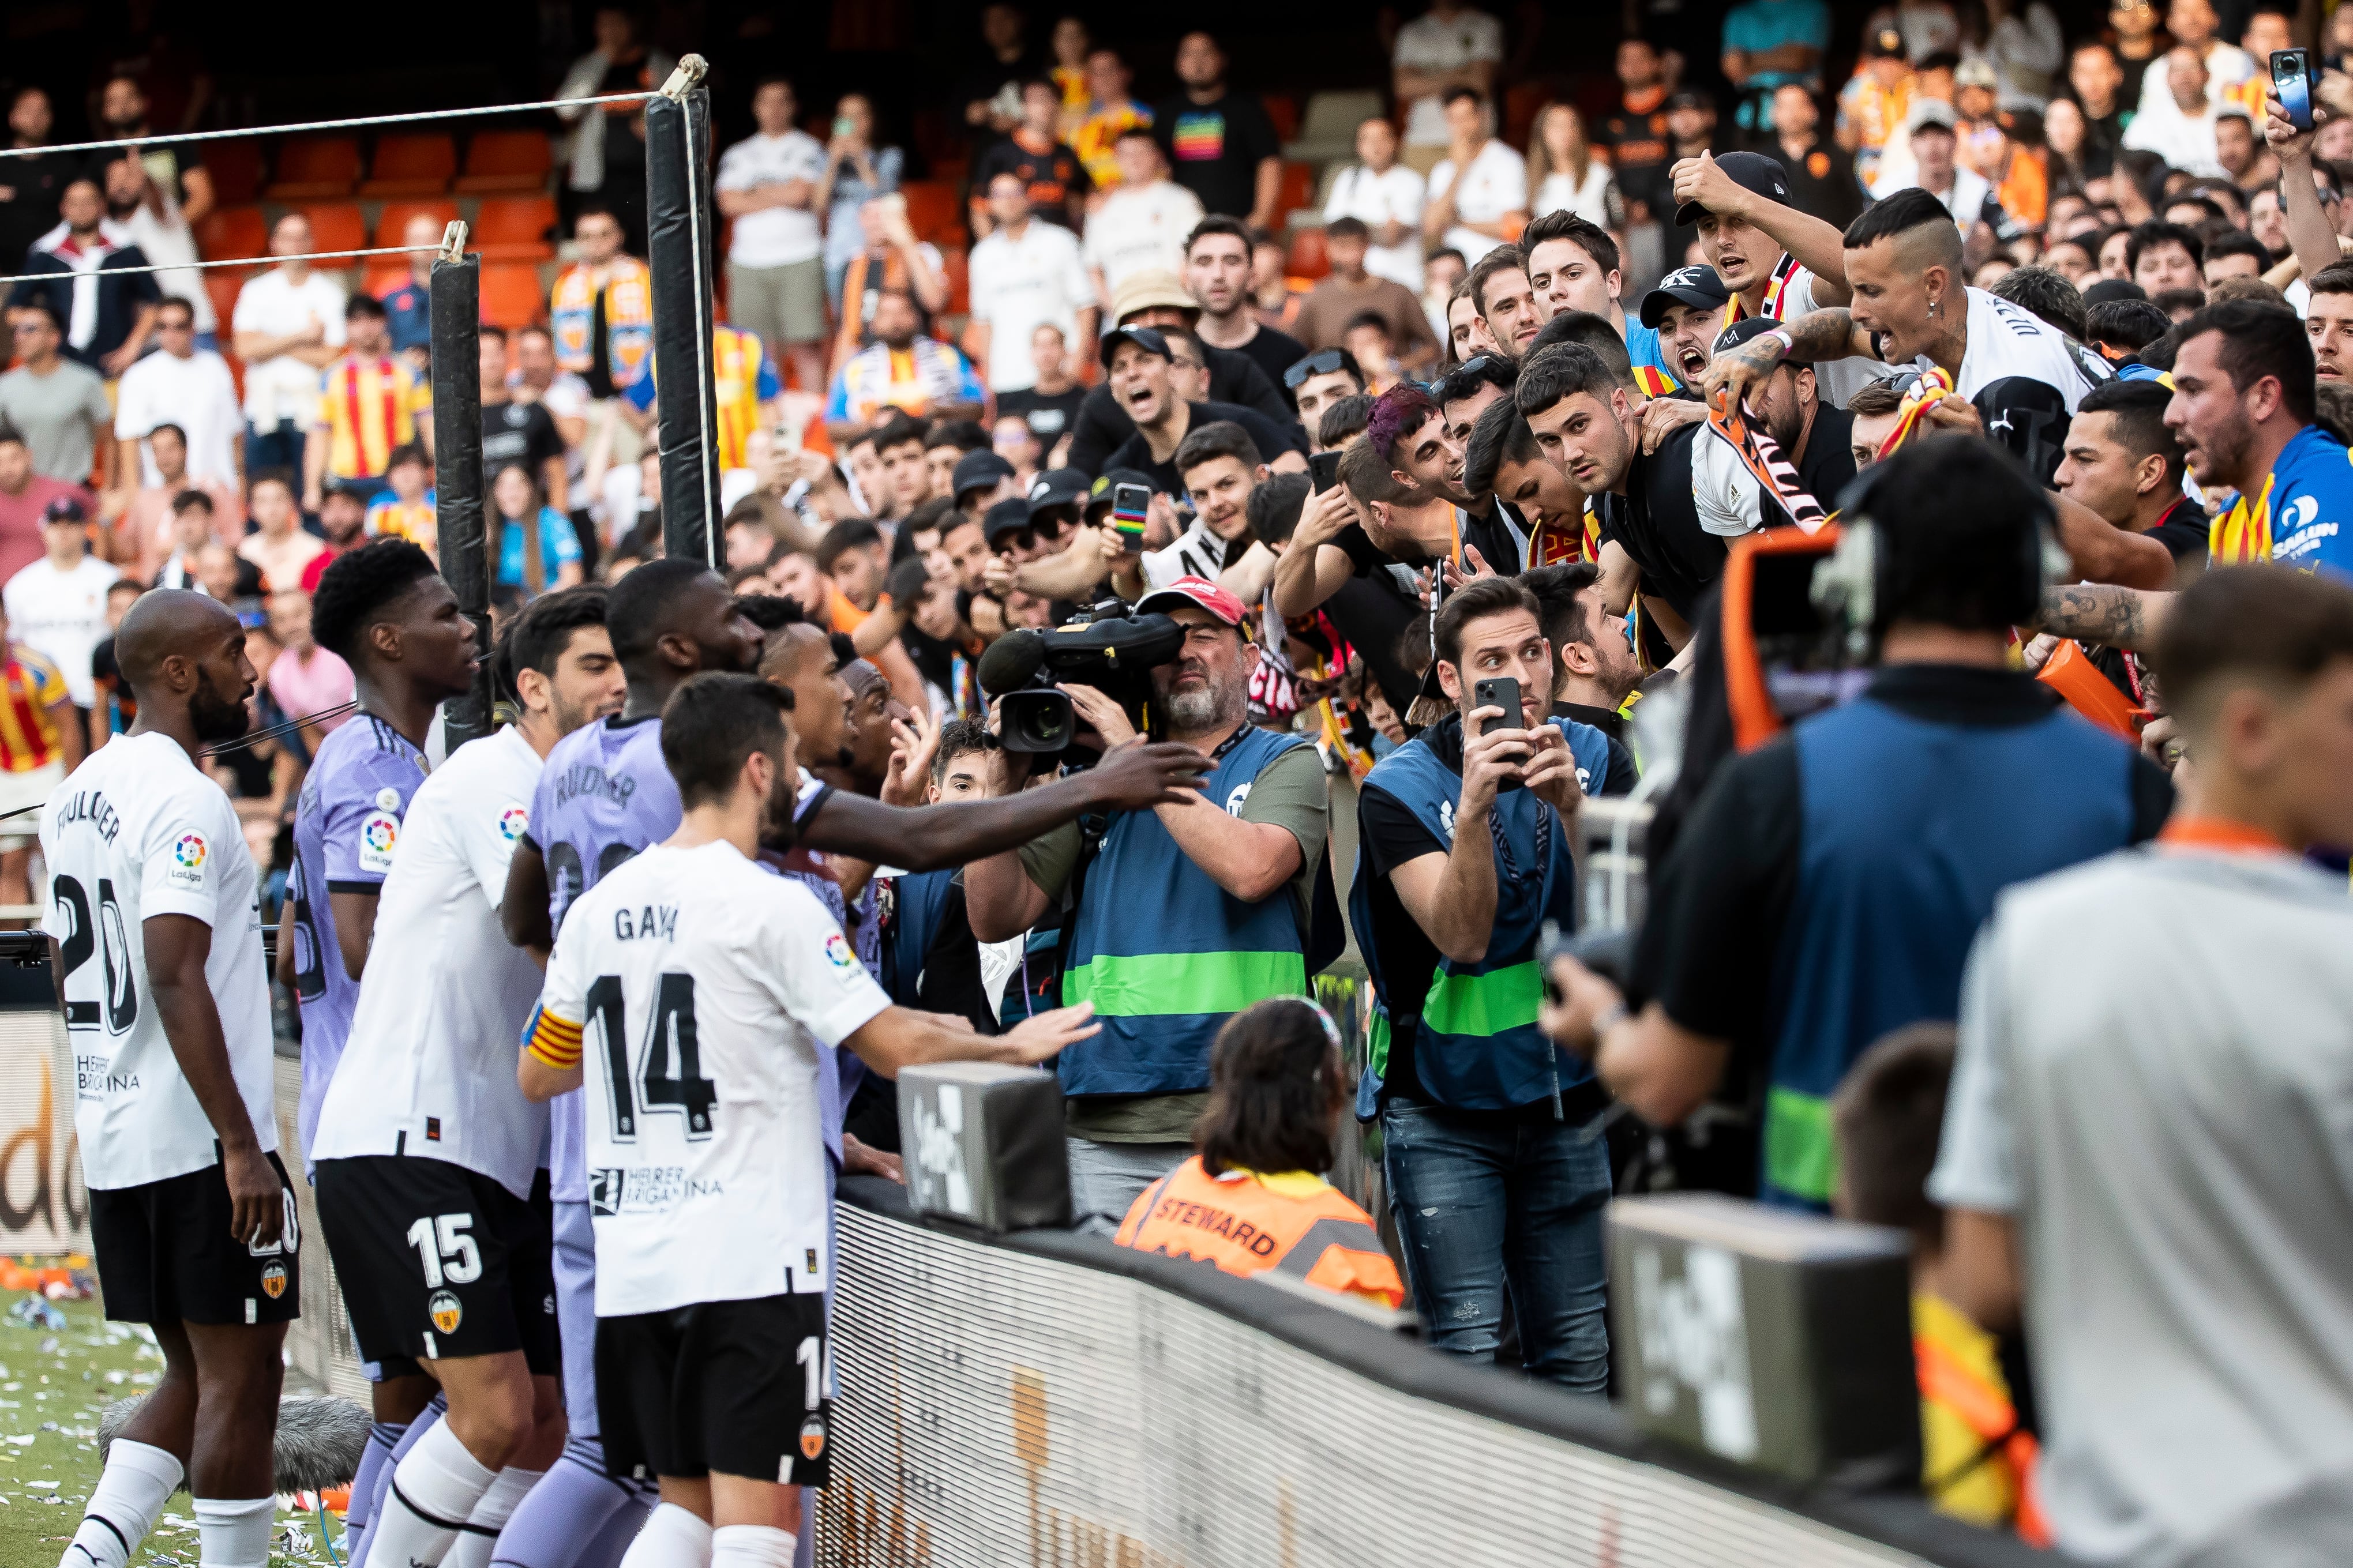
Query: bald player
154	904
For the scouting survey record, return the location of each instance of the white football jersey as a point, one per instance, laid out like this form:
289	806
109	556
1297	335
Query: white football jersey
429	1065
698	985
136	833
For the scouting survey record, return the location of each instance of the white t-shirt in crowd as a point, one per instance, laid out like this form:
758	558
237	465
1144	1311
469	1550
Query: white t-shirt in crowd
1394	196
1140	227
1197	552
285	387
1589	200
1965	198
63	616
774	237
2186	142
431	1052
1434	43
199	395
1495	184
165	240
717	1191
2152	1084
137	819
1017	285
2228	66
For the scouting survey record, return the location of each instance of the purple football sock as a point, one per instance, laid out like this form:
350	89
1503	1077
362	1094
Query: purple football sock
564	1520
381	1437
417	1429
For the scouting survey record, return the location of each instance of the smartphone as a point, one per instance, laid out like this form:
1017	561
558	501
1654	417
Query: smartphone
1323	470
1128	505
2291	80
844	126
1502	691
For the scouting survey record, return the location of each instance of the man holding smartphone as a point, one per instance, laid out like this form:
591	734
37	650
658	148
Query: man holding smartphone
1496	1169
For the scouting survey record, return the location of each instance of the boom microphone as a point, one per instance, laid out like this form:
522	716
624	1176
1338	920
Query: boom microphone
1011	660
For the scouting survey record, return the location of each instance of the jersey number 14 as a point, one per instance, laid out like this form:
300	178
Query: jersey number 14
670	1069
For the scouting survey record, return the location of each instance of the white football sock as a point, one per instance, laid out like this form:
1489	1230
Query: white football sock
433	1491
480	1536
672	1538
234	1532
751	1546
124	1505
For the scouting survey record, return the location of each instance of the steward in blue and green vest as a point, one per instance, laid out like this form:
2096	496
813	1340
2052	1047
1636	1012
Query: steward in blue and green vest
1827	886
1491	1133
1184	915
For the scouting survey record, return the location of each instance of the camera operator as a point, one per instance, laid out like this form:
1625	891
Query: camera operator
1179	916
1495	1169
1826	887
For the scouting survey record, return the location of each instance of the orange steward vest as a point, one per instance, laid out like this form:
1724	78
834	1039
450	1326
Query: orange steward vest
1247	1223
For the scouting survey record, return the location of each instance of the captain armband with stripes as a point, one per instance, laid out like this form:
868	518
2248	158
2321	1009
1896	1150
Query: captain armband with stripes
551	1041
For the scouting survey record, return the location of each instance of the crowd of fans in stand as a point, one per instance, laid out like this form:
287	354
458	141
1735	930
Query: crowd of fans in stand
2038	314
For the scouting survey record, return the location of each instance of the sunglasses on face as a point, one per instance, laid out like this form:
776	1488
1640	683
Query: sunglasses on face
1323	361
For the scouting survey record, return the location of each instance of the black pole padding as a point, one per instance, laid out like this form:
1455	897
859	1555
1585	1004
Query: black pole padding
681	234
456	297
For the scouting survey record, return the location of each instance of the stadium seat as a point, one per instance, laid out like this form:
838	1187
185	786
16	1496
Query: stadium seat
932	210
1328	128
1309	260
514	228
336	225
412	165
511	297
236	169
1297	190
394	219
1522	103
957	264
222	283
1284	110
384	275
229	233
311	168
506	162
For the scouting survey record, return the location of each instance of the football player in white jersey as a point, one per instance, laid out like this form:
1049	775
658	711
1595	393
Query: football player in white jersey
432	1193
698	985
154	904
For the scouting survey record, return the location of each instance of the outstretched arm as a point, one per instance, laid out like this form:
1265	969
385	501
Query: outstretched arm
2104	613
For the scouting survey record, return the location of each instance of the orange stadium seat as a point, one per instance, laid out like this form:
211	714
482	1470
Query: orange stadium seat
506	162
313	167
336	225
222	283
236	169
511	297
957	265
1284	110
385	274
514	228
1309	258
394	219
932	210
1297	191
228	233
412	165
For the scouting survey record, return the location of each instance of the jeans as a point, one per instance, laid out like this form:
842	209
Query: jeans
277	448
1482	1205
1107	1178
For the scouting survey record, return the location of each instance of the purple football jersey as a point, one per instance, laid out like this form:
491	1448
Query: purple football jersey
346	829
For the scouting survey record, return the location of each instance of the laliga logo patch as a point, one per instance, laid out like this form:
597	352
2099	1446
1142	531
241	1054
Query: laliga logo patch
512	822
379	833
189	851
273	1281
837	949
443	1307
813	1438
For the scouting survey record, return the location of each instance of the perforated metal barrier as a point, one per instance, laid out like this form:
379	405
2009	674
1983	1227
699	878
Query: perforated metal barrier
1049	1400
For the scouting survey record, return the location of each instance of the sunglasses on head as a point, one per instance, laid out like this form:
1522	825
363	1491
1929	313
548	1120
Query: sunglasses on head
1323	361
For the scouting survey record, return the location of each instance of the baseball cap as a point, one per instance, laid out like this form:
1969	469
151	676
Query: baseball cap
1928	111
1155	288
64	509
978	471
1739	333
1148	339
1695	286
1099	493
1887	44
1006	516
1198	591
1056	487
1752	171
1976	71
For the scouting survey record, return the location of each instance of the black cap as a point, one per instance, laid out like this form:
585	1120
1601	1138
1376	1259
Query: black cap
1695	286
64	509
1885	44
1099	493
1690	98
1006	516
1148	339
1057	486
1752	171
1740	331
978	471
2109	289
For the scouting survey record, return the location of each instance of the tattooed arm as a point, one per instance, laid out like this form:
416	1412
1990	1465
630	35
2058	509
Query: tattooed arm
2104	613
1823	335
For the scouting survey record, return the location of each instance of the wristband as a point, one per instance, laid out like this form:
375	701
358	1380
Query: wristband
1789	343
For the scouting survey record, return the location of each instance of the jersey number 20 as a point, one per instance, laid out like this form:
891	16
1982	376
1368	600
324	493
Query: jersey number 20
105	939
670	1069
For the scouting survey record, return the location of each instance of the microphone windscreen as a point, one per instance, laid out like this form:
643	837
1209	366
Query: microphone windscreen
1011	660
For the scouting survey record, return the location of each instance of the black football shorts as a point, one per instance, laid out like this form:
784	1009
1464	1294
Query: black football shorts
165	1254
739	1388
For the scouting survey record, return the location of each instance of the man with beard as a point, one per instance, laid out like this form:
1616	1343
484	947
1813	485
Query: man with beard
901	369
1230	872
190	1210
1810	438
1595	669
92	281
1505	300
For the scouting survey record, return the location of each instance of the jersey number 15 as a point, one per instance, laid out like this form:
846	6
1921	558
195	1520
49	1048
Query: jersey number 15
670	1069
